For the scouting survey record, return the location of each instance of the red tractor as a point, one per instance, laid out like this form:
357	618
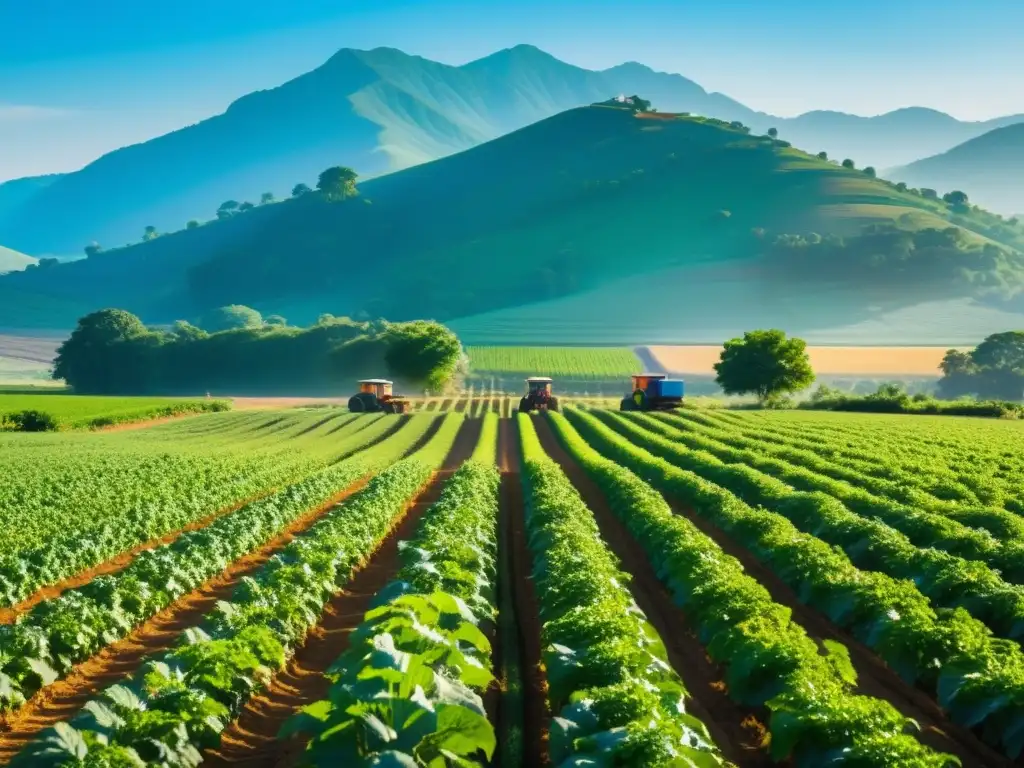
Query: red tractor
538	395
375	396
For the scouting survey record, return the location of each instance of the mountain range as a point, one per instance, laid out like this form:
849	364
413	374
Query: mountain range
989	168
380	111
593	224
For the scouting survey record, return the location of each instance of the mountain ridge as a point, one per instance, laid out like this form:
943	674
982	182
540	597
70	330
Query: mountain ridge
988	168
662	205
382	110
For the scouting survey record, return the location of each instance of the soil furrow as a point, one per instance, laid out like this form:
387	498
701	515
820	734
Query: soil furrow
874	677
535	718
252	739
64	698
738	731
119	562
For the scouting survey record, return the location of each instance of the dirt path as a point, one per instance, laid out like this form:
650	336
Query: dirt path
534	718
252	739
738	731
874	678
64	698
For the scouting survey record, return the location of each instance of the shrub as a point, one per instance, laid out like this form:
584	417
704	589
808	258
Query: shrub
33	421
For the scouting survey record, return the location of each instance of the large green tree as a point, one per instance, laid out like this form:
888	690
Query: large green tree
422	352
337	183
90	360
765	363
229	317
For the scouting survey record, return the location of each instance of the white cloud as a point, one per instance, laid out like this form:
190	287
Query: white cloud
23	113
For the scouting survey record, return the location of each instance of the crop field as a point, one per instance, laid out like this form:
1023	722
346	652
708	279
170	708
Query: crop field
567	362
468	585
87	411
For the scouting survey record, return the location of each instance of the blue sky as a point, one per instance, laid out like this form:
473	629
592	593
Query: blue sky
82	77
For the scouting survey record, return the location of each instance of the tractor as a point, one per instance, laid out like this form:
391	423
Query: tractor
653	392
538	396
375	396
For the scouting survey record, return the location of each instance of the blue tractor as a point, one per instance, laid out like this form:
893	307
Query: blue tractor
653	392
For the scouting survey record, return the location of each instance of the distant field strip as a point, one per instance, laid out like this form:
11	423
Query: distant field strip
828	361
570	362
83	411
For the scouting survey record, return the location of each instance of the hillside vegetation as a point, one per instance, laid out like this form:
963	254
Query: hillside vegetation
988	168
588	199
383	110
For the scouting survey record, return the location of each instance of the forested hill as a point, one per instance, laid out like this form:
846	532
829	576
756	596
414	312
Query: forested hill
580	200
383	110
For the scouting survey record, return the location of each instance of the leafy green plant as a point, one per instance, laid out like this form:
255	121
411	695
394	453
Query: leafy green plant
618	701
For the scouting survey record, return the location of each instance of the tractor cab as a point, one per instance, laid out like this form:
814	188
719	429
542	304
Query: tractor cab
376	396
538	395
653	392
378	387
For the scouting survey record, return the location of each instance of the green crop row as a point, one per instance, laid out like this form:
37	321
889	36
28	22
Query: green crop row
419	660
984	477
161	492
977	679
570	362
769	659
618	700
947	580
59	633
178	705
924	529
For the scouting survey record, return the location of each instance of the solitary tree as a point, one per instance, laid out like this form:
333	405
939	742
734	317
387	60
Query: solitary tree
192	224
955	198
870	172
1001	351
422	352
929	194
231	316
266	197
150	233
300	189
227	209
764	363
901	186
848	163
245	207
773	132
823	155
88	360
93	248
337	183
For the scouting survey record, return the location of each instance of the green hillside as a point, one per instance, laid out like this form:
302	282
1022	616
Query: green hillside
12	261
383	110
579	202
987	168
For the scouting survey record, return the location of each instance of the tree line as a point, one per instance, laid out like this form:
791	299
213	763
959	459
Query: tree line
334	184
112	352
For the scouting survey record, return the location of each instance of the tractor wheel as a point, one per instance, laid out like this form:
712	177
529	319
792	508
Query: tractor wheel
524	405
627	404
364	402
640	401
552	403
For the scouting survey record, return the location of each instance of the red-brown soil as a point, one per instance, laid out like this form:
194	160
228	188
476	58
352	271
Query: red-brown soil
65	697
535	717
738	731
874	677
252	739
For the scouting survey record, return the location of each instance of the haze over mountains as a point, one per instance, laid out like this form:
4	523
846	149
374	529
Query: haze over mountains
990	168
383	110
679	228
